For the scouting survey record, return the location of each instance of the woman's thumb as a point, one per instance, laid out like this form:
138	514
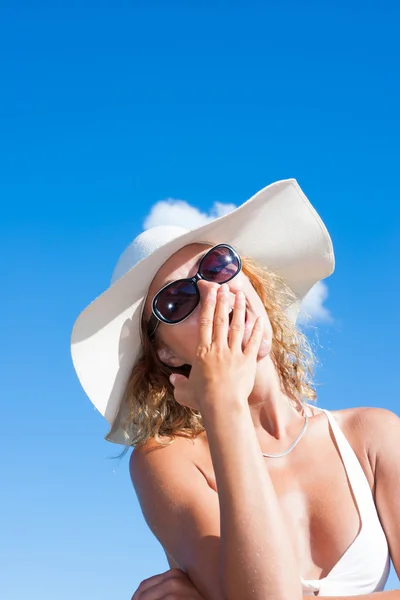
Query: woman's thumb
177	379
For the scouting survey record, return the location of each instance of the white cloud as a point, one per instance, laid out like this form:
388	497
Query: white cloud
181	213
313	307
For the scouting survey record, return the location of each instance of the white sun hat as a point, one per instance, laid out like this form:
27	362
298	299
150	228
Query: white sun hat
277	227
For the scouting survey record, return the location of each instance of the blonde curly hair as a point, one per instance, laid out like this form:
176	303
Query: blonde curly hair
153	413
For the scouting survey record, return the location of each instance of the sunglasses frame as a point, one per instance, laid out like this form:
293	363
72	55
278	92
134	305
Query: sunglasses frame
156	318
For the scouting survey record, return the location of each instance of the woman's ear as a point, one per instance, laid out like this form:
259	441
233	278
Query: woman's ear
168	358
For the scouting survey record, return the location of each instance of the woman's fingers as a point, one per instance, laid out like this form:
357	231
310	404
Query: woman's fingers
207	307
149	583
236	329
155	588
172	584
221	316
255	339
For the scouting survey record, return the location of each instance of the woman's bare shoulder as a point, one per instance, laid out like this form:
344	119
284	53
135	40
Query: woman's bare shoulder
365	428
368	421
163	458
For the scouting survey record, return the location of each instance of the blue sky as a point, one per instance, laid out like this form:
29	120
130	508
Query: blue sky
106	109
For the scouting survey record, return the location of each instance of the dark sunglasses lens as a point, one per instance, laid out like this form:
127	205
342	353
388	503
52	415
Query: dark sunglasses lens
177	301
220	265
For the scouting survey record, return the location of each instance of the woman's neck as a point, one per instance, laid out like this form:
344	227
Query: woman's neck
271	409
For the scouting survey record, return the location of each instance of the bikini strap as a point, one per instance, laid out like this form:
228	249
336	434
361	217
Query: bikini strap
355	473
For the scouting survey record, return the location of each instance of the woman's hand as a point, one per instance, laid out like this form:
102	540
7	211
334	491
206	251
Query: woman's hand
225	365
173	584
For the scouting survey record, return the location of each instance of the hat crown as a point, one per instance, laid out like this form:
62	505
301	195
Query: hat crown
143	245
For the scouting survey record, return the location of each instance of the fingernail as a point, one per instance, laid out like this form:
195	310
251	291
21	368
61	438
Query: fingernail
172	379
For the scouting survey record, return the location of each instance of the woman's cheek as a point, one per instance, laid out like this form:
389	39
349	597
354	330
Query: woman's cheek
266	342
265	348
183	340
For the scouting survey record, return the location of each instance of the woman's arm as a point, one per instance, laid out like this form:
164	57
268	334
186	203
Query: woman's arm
183	513
384	450
255	545
233	545
181	510
387	595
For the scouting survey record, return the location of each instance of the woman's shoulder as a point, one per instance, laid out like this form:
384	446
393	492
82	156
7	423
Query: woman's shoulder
161	458
366	421
366	429
169	479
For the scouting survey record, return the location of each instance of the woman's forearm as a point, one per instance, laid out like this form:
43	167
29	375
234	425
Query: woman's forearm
385	595
257	557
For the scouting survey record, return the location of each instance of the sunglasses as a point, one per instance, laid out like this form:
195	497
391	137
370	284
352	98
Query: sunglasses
176	301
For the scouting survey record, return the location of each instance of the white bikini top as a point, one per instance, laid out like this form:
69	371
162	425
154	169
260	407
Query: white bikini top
364	567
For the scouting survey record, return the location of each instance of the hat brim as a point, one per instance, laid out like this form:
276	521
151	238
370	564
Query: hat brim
277	227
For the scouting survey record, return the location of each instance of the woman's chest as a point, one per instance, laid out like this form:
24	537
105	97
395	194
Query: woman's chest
320	511
317	501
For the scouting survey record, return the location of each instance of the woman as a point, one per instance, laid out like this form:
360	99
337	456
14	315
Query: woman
252	492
